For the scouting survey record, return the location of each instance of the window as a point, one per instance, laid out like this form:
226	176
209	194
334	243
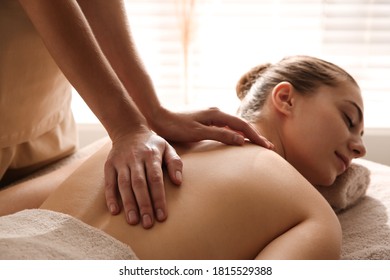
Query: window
196	50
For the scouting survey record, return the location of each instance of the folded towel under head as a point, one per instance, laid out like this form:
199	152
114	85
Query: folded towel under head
348	188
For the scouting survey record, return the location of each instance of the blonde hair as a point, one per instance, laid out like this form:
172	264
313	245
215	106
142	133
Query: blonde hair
304	73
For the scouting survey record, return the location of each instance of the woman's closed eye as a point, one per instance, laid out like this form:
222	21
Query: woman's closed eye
349	121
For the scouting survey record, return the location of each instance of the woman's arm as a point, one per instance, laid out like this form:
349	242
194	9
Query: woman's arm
31	193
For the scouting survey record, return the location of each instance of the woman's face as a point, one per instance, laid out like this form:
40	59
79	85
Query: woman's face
325	132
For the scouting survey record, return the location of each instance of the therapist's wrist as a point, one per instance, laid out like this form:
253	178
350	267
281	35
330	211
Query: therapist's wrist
156	116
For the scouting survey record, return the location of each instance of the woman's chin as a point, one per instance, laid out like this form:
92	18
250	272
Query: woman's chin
326	181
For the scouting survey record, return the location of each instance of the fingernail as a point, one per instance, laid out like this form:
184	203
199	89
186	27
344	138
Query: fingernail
113	208
160	214
238	139
179	176
269	145
147	221
133	217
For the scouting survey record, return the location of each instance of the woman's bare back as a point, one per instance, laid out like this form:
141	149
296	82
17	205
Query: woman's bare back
234	201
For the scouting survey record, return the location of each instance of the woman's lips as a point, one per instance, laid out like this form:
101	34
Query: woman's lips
344	160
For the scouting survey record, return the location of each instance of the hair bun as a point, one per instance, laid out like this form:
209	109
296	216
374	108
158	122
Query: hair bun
249	78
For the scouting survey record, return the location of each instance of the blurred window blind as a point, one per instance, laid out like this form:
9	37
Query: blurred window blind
357	35
196	50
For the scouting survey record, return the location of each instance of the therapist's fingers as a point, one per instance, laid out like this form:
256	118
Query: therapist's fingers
128	197
217	122
134	170
139	184
154	173
111	190
174	165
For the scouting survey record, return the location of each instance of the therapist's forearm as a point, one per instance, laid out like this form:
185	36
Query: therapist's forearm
109	23
68	37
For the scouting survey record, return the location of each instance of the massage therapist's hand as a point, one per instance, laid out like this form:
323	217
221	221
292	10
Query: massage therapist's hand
208	124
134	168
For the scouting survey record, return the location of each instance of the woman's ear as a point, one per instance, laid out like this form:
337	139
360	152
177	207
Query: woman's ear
283	97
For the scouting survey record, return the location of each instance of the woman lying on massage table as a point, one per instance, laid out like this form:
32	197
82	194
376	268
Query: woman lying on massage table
247	202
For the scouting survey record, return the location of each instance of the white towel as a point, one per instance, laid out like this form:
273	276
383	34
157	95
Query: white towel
47	235
348	188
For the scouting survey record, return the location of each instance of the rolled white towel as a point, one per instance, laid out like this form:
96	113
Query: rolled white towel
348	188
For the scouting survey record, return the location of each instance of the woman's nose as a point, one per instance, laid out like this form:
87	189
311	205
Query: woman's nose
358	148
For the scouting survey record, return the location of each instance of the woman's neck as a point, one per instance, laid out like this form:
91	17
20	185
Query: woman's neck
268	129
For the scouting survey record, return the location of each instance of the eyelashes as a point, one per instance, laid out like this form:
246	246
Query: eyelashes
349	121
352	126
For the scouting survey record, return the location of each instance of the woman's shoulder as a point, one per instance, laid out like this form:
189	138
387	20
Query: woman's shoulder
248	162
258	162
249	155
249	176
